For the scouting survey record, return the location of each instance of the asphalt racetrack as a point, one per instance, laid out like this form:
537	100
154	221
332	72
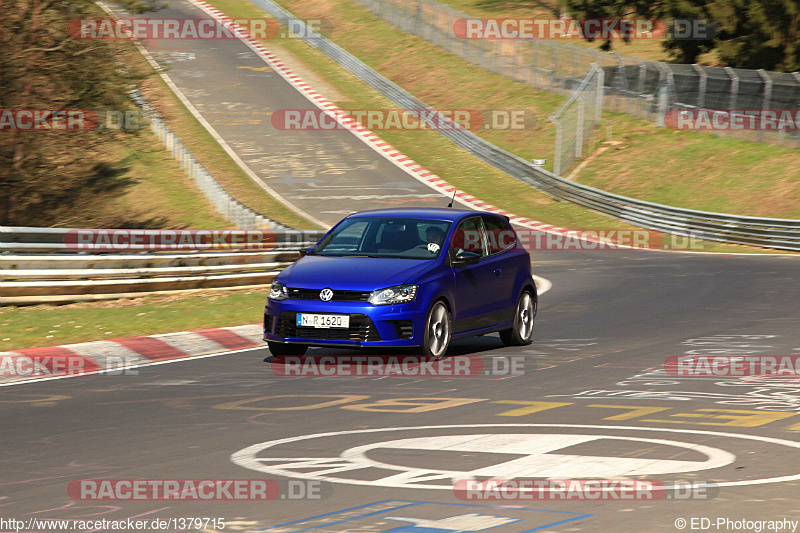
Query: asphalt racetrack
588	399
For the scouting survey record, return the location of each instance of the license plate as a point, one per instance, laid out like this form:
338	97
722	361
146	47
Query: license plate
311	320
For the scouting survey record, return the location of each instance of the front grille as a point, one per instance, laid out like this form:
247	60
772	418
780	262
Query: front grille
403	328
338	296
361	329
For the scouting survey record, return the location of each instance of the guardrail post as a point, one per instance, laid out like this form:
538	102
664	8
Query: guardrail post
435	27
579	129
464	45
621	83
662	102
796	76
559	140
734	87
701	91
601	87
767	96
418	21
642	75
574	50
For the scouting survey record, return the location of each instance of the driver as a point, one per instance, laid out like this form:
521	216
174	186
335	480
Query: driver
434	235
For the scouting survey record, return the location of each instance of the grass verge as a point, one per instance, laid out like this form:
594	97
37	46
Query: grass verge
157	192
46	325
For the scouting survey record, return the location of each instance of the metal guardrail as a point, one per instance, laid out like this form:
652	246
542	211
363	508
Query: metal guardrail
38	266
765	232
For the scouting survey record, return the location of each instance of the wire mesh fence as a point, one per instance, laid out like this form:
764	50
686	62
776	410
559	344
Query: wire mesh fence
647	89
577	119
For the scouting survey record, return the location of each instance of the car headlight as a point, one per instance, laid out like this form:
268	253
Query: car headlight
399	294
278	292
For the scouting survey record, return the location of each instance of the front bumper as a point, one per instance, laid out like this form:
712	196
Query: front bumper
370	325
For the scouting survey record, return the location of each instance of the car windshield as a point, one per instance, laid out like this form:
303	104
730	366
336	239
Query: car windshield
407	238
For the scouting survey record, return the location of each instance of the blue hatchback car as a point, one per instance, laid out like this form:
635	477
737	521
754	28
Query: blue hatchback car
413	277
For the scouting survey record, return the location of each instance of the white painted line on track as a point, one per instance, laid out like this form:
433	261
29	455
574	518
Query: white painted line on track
542	284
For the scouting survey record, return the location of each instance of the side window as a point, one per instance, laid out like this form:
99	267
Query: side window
348	239
499	234
470	237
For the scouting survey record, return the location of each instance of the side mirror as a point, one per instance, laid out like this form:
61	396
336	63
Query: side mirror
466	259
304	251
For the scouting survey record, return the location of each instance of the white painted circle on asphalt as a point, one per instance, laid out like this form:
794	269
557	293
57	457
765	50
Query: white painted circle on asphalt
543	461
535	455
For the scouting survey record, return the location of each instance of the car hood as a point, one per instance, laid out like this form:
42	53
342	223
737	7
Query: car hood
352	273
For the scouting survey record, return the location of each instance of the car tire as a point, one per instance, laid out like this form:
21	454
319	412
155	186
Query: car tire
279	350
521	332
436	335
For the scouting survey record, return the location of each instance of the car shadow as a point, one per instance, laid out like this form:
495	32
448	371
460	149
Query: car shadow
458	347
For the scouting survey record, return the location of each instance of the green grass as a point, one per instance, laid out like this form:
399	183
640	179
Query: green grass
47	325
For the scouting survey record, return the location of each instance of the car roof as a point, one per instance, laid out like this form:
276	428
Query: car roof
432	213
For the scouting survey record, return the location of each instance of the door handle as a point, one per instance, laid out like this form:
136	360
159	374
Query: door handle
497	271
